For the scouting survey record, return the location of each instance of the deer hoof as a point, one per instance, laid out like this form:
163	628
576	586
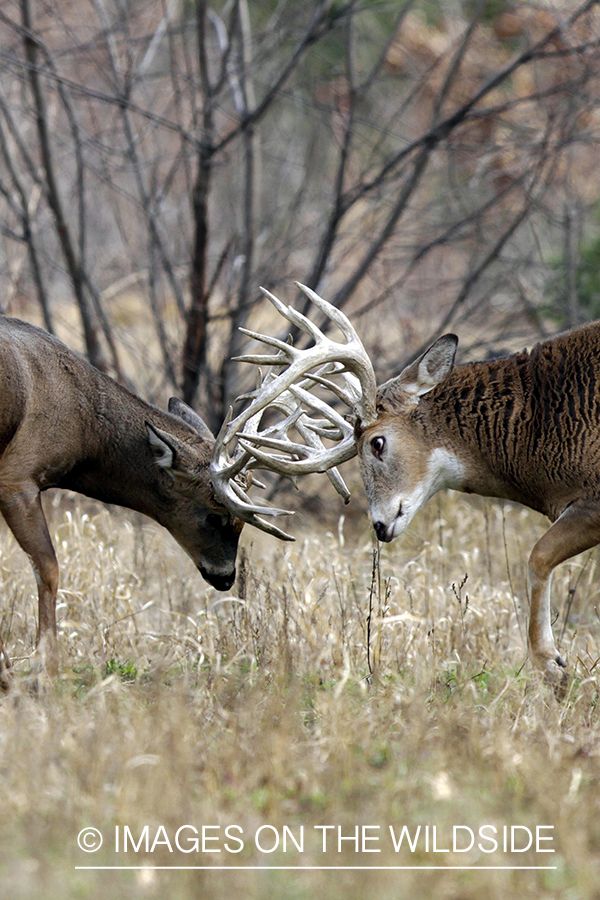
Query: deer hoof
6	672
556	676
552	669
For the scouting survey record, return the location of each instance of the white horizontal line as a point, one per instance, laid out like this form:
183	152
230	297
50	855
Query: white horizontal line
323	868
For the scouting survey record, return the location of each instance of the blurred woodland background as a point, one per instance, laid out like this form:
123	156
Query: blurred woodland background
425	165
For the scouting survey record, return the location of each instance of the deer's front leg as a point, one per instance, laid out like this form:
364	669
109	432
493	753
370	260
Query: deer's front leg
22	509
577	529
5	668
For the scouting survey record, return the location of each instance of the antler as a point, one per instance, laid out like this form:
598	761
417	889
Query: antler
307	457
231	477
351	358
289	392
231	474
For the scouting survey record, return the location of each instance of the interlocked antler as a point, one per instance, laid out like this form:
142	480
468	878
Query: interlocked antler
307	457
351	358
231	477
288	392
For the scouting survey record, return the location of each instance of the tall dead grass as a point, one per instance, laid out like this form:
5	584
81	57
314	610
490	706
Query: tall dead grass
332	687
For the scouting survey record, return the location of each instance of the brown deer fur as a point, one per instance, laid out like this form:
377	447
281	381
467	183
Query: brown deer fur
524	428
64	424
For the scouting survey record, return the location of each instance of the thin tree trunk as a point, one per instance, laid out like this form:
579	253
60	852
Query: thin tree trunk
90	331
194	348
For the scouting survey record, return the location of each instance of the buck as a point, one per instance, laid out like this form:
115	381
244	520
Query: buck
525	428
64	424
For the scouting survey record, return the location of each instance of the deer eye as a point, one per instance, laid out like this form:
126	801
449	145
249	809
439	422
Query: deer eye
214	520
378	446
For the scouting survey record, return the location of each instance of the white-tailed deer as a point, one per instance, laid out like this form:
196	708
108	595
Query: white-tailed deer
525	428
64	424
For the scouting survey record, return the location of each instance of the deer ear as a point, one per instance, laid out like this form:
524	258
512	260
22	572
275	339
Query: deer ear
162	450
425	372
180	409
436	363
170	454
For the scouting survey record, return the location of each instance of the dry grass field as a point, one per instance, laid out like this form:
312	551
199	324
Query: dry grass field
288	732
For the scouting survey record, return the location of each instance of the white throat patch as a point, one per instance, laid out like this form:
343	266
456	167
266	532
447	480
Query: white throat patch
444	470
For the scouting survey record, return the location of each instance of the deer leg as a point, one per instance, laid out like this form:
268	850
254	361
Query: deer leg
5	667
24	516
577	529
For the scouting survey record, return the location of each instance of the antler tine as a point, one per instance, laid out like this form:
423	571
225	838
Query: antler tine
341	425
312	431
332	312
224	469
356	359
312	438
286	391
317	457
266	339
276	437
297	318
247	513
351	395
352	355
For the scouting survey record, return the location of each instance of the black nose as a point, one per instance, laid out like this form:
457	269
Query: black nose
380	531
220	582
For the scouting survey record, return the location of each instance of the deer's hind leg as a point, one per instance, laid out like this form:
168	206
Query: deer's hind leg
22	509
5	668
577	529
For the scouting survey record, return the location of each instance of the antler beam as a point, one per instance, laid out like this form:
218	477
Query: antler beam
289	392
351	357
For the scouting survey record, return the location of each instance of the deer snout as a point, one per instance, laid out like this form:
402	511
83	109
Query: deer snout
218	581
384	531
381	530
